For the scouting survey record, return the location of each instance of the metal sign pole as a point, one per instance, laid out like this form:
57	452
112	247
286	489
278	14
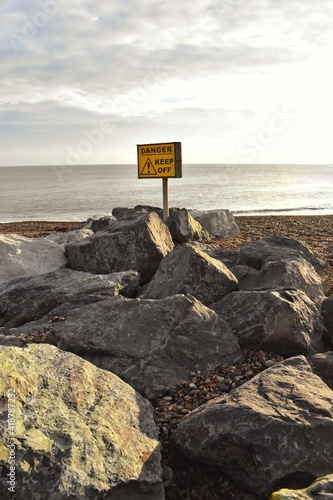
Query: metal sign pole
165	198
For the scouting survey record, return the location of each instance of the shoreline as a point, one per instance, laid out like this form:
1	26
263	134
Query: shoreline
316	231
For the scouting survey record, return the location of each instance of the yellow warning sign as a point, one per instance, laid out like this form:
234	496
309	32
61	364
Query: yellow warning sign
159	160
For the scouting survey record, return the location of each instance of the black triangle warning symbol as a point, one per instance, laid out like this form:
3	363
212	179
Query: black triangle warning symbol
149	168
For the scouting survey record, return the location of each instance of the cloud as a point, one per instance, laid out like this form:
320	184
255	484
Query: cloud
65	65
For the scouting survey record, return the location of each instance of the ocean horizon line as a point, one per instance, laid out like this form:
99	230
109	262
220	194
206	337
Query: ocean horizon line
184	164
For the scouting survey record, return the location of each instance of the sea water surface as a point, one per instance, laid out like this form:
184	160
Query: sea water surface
70	193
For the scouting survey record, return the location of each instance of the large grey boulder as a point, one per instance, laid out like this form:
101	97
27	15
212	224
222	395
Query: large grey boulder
275	430
151	344
327	313
189	270
321	489
278	247
184	228
218	223
81	432
282	274
30	298
283	321
139	242
20	256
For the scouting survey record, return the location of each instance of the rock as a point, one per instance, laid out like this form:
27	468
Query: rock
298	274
274	431
228	257
322	365
149	208
30	298
10	339
283	321
184	228
322	489
151	344
80	432
245	275
99	223
64	238
278	247
188	270
121	212
20	256
138	243
327	313
218	223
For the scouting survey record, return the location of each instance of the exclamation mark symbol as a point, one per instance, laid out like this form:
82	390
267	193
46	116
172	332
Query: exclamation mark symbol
149	168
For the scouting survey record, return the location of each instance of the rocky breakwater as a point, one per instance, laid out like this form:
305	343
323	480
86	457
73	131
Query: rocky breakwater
141	300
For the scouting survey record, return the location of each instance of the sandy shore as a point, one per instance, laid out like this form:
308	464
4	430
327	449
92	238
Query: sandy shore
316	231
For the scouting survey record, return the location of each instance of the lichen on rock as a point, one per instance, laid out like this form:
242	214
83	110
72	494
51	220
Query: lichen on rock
80	431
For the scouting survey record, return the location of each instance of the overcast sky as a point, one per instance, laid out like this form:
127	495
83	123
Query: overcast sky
244	81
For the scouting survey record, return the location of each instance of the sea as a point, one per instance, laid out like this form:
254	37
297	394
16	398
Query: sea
76	193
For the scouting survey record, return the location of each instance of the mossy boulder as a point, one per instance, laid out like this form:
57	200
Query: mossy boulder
80	432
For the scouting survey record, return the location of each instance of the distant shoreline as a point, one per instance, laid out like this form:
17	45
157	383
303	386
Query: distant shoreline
261	221
316	213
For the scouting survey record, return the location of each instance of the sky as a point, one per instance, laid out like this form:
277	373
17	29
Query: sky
235	81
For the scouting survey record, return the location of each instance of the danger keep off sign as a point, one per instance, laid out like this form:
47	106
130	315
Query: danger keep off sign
157	161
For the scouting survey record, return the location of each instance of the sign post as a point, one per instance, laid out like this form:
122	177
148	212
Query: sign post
160	161
165	188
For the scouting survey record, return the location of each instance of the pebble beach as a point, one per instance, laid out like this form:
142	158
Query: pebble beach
184	479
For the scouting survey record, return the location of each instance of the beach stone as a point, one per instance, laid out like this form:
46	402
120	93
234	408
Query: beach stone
322	365
189	270
298	274
184	228
322	489
64	238
276	430
327	313
20	256
30	298
277	247
81	432
282	321
151	344
137	243
218	223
